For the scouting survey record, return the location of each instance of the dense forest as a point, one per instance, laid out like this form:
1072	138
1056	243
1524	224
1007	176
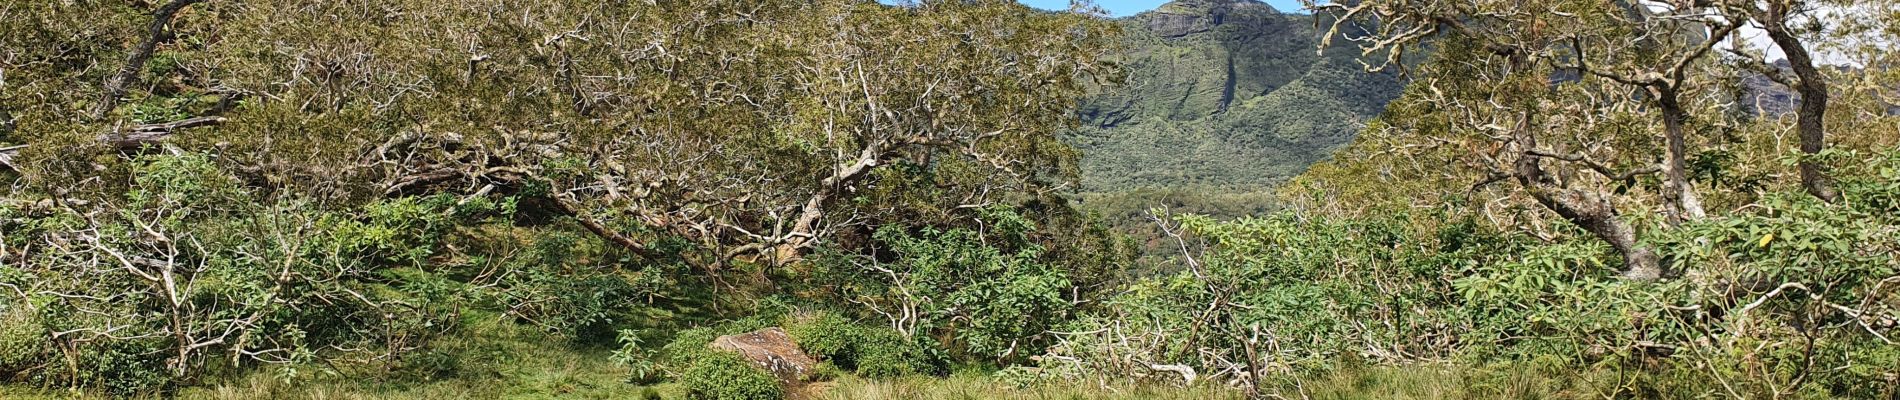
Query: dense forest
846	199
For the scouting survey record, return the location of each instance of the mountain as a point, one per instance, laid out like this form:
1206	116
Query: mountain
1762	96
1223	94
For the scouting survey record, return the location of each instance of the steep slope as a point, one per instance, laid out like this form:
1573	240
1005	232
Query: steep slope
1222	94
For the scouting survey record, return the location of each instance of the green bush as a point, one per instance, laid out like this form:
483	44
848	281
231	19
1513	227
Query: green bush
871	351
883	354
687	346
726	376
22	340
638	359
690	346
828	336
991	292
129	368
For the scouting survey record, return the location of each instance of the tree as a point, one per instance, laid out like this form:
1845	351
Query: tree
750	129
1557	97
1777	20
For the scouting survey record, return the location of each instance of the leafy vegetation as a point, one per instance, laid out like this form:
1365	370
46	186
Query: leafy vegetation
555	199
720	375
1224	96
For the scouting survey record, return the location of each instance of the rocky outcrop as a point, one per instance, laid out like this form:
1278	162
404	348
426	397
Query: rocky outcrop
1185	17
772	349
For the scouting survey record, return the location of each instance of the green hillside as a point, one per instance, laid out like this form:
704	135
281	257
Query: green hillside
1222	94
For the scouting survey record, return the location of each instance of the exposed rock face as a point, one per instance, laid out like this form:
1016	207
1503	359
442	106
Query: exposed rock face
1762	96
771	349
1184	17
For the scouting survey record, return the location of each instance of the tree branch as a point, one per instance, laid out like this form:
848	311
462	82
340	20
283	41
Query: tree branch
115	85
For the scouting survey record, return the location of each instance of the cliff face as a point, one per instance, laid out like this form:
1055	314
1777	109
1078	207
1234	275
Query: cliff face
1187	17
1223	93
1187	62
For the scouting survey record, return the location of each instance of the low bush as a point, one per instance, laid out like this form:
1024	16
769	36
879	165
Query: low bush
828	336
884	354
726	376
22	341
871	351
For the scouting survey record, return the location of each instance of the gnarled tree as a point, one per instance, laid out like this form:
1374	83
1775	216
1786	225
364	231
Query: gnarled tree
1575	102
754	129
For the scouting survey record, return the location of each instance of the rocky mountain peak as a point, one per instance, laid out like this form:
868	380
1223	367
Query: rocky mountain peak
1184	17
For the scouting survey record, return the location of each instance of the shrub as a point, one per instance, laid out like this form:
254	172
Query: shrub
687	346
22	340
690	346
726	376
990	292
871	351
638	359
828	336
883	354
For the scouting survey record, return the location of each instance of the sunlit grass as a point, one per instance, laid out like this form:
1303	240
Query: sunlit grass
500	360
975	386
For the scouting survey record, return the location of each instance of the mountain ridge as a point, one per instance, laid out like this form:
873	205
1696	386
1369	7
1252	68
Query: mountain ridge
1222	95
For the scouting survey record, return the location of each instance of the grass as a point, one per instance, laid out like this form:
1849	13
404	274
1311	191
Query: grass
975	386
494	359
554	371
1411	382
491	359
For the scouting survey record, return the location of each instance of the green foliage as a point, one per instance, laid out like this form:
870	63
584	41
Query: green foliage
726	376
557	285
871	351
882	353
22	341
994	292
830	337
688	347
1757	294
529	205
1240	106
638	359
202	272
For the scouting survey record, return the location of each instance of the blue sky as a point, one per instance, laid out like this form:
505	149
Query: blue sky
1130	7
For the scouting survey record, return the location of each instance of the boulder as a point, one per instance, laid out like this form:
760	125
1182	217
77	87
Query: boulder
772	349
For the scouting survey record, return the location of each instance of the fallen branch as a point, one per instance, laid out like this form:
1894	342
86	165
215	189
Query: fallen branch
153	133
7	154
130	139
1188	376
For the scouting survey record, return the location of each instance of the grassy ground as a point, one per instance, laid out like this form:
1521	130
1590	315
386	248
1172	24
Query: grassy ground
563	374
496	360
972	387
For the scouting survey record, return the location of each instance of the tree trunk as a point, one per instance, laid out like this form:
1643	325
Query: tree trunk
1595	214
1679	199
1813	110
115	85
1592	211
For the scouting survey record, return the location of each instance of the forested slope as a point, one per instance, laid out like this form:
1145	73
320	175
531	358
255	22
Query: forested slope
1222	95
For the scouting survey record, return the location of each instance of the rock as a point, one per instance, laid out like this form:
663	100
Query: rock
1184	17
772	349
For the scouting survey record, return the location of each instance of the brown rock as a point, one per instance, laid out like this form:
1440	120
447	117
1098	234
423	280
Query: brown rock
771	349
